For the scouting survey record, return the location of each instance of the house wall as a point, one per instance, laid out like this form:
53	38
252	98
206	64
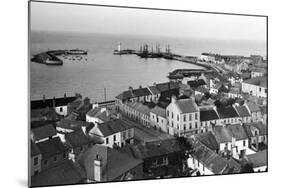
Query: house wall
33	167
254	90
61	110
233	120
93	119
195	164
260	169
51	162
161	124
181	124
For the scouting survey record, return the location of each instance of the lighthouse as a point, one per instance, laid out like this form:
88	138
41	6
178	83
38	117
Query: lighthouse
119	47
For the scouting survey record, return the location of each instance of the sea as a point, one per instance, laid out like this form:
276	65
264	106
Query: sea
101	76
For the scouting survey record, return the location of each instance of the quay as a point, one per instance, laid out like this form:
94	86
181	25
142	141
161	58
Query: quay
50	57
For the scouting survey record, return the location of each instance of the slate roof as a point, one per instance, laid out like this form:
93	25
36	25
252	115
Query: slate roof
42	132
258	81
141	92
78	139
237	131
208	115
114	163
186	106
140	107
196	83
253	107
258	159
251	127
34	149
263	109
125	95
159	111
156	89
114	126
72	125
51	147
65	173
153	90
212	160
227	112
162	87
242	111
154	148
37	104
225	134
208	139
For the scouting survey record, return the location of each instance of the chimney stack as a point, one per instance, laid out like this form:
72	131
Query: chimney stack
54	101
98	168
173	99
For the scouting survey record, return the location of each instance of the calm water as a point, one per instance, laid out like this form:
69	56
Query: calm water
115	73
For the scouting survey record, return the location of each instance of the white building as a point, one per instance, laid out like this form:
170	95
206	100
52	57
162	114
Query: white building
115	132
158	118
256	86
232	138
208	119
183	117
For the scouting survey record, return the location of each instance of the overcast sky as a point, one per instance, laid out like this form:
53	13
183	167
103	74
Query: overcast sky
80	18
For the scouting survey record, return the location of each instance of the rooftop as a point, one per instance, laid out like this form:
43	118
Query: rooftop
242	111
37	104
258	81
42	132
225	133
253	107
208	139
51	147
258	159
154	148
72	125
208	115
114	163
114	126
65	173
159	111
78	139
186	105
227	112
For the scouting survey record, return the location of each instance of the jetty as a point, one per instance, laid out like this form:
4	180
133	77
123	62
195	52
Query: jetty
50	57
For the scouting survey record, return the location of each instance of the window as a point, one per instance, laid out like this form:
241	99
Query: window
184	127
177	126
157	119
184	117
244	142
190	117
259	89
36	172
178	117
196	125
172	124
172	115
167	113
196	116
61	109
114	138
190	126
106	140
64	155
256	133
35	162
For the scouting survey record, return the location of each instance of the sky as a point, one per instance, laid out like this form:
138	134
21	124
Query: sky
96	19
